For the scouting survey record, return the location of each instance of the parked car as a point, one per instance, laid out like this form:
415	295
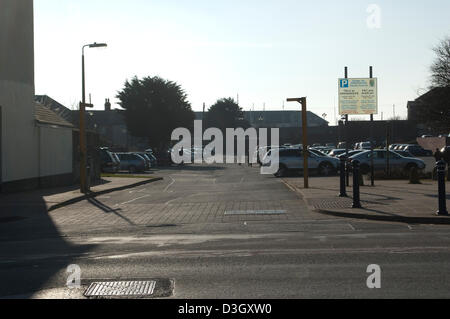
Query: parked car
109	162
131	162
148	162
363	146
317	152
396	161
417	150
404	153
152	157
342	145
350	153
292	160
336	152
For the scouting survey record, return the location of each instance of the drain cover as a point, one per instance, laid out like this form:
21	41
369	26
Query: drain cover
120	288
255	212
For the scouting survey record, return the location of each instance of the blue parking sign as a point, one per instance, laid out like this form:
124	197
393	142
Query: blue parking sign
344	83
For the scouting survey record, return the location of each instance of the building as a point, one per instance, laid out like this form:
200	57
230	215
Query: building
436	96
277	119
112	128
36	144
282	119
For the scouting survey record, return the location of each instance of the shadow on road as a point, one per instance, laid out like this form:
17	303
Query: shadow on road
32	250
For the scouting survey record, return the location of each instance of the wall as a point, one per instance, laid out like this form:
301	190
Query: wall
55	154
19	133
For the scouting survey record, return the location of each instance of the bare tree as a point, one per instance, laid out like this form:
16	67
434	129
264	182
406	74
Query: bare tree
440	69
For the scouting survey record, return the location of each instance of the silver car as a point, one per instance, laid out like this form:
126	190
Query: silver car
131	162
292	160
396	161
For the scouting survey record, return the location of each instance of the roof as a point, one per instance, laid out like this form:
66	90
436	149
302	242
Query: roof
55	106
101	118
437	93
46	116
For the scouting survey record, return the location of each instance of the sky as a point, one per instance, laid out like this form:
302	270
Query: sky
263	51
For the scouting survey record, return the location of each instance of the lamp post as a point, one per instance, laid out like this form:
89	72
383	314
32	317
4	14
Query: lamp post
83	150
302	101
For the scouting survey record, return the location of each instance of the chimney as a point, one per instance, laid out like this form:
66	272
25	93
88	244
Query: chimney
107	105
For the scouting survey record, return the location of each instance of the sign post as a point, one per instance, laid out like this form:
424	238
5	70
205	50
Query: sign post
359	96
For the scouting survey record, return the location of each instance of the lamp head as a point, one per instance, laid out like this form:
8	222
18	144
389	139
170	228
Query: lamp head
98	45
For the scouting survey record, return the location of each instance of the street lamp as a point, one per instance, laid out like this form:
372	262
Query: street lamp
83	156
302	101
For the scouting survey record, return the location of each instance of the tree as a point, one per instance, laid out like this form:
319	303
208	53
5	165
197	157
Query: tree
226	113
154	107
440	69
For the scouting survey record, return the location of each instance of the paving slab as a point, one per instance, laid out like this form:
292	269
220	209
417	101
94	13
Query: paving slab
389	200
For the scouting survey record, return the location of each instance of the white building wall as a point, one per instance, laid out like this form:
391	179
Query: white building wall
19	134
55	153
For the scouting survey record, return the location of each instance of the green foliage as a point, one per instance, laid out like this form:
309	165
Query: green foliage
154	107
226	113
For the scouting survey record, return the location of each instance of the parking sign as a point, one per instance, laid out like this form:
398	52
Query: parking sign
358	96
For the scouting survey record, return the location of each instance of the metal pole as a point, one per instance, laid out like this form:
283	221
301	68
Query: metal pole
343	190
305	142
442	194
346	137
83	152
388	142
372	169
356	195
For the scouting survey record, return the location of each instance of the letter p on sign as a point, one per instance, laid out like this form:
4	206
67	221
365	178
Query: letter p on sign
374	280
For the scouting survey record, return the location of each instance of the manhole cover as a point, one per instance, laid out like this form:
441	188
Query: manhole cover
255	212
121	288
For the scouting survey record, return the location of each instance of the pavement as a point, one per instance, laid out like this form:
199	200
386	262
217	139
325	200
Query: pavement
221	231
388	200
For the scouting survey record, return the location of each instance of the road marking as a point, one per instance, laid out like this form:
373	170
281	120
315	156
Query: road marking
351	226
133	200
168	186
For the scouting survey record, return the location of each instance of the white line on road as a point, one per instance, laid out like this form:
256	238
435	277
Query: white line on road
133	200
168	186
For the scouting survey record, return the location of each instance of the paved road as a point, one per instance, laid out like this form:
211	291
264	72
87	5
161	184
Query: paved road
191	228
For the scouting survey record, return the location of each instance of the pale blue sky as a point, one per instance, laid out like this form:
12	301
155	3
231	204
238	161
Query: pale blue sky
264	50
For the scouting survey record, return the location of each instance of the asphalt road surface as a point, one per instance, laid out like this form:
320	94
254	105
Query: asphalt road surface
221	232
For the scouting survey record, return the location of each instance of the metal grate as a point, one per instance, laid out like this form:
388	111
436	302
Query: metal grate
255	212
120	288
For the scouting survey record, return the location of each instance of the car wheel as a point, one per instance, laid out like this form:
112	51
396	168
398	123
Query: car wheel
132	169
410	166
282	171
326	169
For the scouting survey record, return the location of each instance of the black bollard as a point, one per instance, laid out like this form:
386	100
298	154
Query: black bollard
356	197
343	188
440	166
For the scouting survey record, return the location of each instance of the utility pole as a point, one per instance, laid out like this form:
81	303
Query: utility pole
302	101
84	188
